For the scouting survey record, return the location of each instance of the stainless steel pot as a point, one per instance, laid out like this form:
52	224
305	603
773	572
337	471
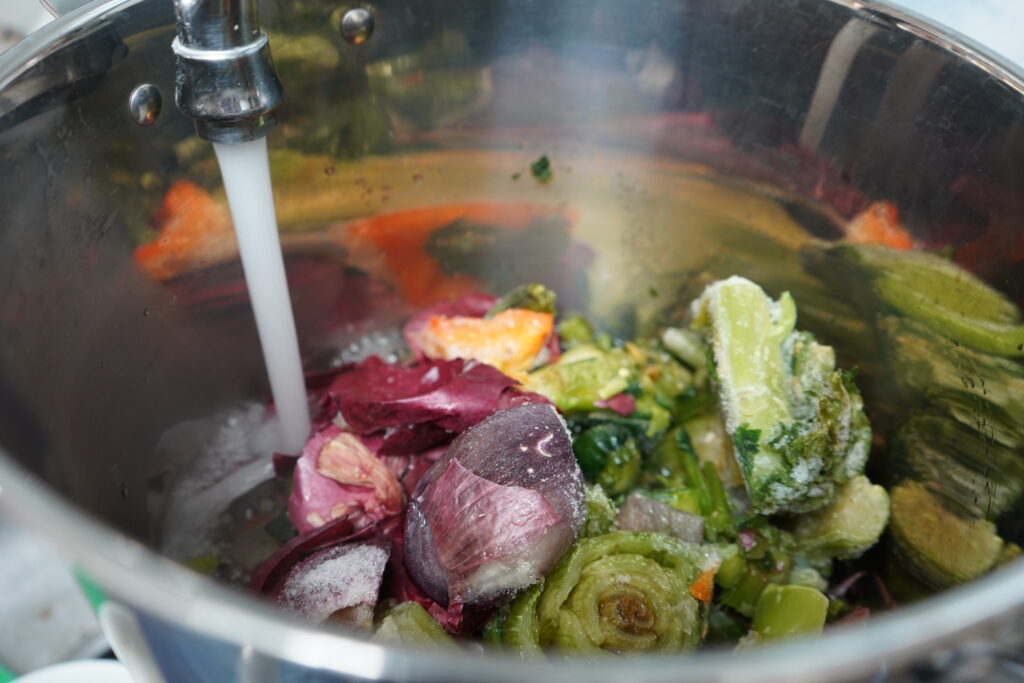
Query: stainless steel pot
665	119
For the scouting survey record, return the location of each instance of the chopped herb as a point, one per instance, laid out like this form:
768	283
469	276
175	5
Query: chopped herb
541	169
745	440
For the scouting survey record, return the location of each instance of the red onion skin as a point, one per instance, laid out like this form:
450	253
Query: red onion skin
518	460
338	475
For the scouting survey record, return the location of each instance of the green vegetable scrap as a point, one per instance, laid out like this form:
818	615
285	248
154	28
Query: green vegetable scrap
608	455
787	612
849	525
541	169
601	513
409	625
689	484
927	288
797	424
588	375
582	377
622	592
574	331
934	544
713	445
532	297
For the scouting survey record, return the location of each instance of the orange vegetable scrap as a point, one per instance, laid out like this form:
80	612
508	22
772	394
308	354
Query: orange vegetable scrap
193	228
704	586
879	224
398	241
510	341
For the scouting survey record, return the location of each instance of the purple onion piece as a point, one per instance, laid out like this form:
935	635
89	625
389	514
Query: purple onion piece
344	578
453	395
414	439
338	475
640	513
497	511
268	576
514	396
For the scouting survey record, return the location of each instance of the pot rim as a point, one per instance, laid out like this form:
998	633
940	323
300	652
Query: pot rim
158	586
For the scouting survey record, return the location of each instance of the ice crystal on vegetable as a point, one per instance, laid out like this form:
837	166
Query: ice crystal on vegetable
797	423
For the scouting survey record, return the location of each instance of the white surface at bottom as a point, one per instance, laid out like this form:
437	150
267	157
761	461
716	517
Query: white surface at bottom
44	618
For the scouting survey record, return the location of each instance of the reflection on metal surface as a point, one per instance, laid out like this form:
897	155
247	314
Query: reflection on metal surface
357	25
61	7
834	71
144	103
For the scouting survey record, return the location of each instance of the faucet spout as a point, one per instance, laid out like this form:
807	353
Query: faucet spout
226	79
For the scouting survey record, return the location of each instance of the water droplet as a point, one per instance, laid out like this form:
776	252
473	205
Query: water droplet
146	312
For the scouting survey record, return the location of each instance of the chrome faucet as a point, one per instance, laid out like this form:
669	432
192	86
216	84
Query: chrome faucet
226	79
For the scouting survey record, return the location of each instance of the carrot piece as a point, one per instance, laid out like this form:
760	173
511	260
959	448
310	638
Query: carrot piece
879	224
703	587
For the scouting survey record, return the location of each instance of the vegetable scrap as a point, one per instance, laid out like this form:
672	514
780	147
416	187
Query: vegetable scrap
525	479
541	169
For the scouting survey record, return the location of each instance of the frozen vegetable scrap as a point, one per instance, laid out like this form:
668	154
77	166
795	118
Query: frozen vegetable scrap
330	572
936	545
797	423
497	511
408	624
622	592
639	379
577	494
785	613
846	527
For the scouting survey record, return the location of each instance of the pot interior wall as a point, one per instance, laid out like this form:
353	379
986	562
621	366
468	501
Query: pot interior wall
684	137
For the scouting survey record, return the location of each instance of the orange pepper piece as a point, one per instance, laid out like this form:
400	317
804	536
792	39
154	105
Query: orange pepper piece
192	225
879	224
510	341
704	586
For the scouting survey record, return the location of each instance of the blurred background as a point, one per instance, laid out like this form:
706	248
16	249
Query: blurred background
45	618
